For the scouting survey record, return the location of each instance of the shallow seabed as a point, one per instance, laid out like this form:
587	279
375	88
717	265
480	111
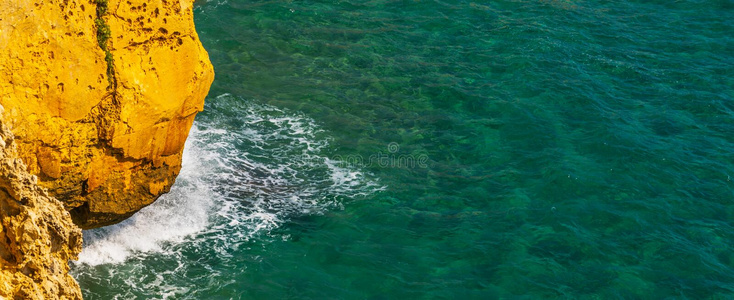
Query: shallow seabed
446	149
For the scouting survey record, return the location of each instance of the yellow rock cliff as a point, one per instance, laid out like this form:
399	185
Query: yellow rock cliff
37	236
100	96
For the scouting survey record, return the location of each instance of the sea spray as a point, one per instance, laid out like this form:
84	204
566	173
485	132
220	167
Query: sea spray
243	175
182	212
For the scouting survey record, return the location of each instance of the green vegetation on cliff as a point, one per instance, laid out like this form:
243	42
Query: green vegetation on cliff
103	36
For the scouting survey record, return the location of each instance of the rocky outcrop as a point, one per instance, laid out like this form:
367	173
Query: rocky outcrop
37	236
100	95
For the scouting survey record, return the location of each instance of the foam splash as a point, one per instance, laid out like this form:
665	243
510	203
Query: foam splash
243	174
182	212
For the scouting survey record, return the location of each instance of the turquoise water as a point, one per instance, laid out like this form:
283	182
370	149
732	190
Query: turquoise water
446	149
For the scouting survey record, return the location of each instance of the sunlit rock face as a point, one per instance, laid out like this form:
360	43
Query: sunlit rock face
100	96
37	236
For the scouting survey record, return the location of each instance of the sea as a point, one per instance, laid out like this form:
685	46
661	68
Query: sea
445	149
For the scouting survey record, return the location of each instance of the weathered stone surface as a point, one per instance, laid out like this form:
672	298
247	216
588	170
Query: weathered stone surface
106	146
37	236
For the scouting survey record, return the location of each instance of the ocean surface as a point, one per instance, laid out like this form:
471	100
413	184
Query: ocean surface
446	150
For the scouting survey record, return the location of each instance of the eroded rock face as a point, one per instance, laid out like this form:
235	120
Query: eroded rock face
37	236
101	121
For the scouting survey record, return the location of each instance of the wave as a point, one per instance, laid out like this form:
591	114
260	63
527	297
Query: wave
244	173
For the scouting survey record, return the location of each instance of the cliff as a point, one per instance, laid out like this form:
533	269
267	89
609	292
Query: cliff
100	96
37	237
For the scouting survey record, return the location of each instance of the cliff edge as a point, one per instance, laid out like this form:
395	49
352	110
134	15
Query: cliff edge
37	237
96	101
100	95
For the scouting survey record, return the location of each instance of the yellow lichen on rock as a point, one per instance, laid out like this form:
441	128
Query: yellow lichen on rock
105	150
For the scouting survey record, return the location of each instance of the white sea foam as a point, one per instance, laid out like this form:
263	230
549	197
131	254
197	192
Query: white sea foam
243	174
182	212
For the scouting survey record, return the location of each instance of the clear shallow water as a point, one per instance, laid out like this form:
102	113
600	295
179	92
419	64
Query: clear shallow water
572	149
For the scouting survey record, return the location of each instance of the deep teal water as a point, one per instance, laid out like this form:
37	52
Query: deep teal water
446	149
